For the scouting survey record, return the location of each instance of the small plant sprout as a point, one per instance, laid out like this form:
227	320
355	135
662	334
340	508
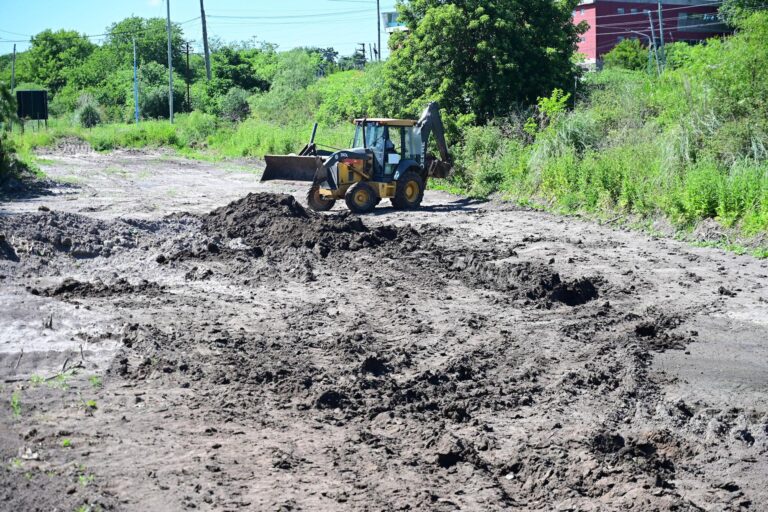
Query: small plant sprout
61	381
16	403
84	480
95	381
90	404
36	380
66	443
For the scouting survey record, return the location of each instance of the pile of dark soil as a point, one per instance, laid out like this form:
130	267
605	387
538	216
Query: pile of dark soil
72	288
526	280
278	221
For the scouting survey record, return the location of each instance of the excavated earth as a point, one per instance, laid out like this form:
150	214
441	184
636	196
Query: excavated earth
221	347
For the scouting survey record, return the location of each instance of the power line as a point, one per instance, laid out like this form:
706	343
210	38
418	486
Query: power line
704	4
106	34
284	17
14	33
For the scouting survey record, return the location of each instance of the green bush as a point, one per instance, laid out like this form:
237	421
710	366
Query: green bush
196	128
234	105
628	54
88	113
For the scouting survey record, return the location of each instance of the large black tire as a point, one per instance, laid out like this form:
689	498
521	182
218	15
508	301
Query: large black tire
361	198
316	201
409	191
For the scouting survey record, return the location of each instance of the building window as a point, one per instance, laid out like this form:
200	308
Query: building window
633	11
582	11
620	38
620	10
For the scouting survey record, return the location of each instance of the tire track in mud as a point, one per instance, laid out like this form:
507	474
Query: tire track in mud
375	368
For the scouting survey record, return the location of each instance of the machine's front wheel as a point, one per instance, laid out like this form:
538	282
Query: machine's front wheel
361	198
409	192
316	202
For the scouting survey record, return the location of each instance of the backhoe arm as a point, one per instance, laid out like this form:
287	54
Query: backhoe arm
431	123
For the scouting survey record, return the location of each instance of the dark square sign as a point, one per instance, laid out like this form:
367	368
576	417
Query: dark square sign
32	104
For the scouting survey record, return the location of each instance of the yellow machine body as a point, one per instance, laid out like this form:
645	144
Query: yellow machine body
353	171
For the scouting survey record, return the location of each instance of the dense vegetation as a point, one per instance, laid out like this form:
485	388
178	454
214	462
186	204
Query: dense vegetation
689	145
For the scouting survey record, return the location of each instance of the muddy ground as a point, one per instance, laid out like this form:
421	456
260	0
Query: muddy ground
176	335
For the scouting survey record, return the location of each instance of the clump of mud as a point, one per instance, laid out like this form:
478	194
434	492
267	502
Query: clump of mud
527	280
48	233
279	221
72	288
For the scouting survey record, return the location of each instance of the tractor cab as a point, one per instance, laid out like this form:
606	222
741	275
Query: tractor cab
391	141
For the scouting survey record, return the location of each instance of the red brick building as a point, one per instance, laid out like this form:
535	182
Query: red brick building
611	21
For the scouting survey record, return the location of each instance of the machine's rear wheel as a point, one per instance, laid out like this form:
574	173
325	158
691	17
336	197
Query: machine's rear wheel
409	192
316	202
361	198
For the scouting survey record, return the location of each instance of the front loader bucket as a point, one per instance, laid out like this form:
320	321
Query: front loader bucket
291	168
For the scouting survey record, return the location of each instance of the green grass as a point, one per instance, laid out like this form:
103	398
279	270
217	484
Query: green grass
195	135
16	404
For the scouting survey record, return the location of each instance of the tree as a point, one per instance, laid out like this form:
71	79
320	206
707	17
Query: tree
153	96
53	54
296	69
479	58
733	10
628	54
327	56
151	41
247	68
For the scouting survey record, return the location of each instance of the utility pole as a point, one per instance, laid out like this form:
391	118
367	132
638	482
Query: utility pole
187	46
378	25
361	51
661	37
170	61
205	43
13	69
655	47
135	85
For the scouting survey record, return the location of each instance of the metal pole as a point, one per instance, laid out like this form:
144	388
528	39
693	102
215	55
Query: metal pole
170	61
135	85
13	69
661	37
655	47
378	24
205	43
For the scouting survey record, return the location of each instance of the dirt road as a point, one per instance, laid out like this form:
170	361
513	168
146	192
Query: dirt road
163	349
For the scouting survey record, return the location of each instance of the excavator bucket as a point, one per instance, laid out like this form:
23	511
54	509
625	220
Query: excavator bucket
291	168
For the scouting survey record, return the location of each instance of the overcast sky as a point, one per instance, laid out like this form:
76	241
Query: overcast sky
288	23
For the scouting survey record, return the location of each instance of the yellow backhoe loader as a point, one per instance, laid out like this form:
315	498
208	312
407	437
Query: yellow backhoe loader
389	159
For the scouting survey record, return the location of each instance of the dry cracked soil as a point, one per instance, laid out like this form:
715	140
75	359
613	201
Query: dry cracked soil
176	335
